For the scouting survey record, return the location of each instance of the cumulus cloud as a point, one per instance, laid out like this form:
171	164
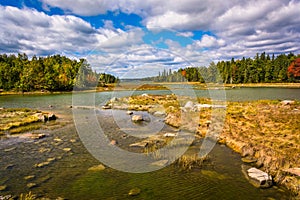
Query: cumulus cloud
235	28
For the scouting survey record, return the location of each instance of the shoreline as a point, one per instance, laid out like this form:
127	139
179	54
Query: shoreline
158	86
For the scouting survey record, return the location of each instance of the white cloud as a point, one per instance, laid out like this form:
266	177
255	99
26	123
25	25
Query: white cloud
185	34
208	41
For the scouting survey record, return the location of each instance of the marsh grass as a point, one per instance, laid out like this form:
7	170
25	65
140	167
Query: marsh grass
189	162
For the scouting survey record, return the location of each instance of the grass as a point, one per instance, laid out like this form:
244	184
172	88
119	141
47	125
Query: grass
188	162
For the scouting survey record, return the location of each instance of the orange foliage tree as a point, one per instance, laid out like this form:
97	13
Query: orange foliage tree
294	69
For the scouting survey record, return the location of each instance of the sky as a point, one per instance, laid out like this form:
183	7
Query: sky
139	38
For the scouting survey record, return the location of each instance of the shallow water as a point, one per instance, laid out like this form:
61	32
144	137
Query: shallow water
67	175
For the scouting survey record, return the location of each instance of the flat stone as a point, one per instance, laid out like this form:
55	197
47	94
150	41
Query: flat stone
263	179
97	168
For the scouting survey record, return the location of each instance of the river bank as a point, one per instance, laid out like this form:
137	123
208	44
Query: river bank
264	132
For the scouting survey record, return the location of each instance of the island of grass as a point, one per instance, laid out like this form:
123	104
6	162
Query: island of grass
23	120
264	132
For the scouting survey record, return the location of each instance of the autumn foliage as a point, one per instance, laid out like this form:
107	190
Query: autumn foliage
294	69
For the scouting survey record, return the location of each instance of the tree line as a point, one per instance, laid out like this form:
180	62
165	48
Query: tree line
263	68
51	73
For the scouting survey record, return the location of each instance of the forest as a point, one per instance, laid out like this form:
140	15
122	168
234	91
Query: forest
263	68
51	73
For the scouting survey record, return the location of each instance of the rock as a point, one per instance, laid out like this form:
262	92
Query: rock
57	140
52	116
3	187
31	185
113	142
137	118
67	149
114	99
41	117
9	166
37	136
262	179
287	102
129	112
139	144
9	149
293	171
29	177
134	192
249	160
42	164
51	159
189	105
160	163
170	134
106	107
159	114
97	168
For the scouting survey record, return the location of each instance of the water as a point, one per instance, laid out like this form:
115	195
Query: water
68	176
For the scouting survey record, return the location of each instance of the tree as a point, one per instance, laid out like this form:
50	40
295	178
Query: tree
294	70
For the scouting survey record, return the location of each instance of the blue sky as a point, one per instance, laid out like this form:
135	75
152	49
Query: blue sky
134	38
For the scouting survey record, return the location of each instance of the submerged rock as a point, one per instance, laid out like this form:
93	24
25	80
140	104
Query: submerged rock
259	178
97	168
31	185
137	118
134	192
3	187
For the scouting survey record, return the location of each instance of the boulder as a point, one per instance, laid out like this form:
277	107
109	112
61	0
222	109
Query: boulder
137	118
261	179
